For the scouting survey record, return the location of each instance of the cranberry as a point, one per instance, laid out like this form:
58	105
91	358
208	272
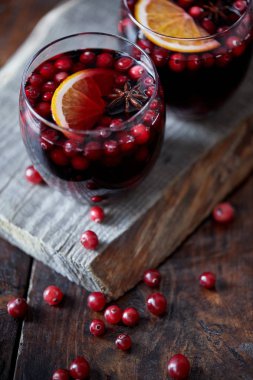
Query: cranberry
223	213
179	367
49	86
97	214
185	3
207	60
79	368
17	308
52	295
80	163
47	96
196	11
222	29
111	148
123	342
222	58
126	142
157	304
130	316
47	70
141	133
104	60
43	109
93	150
124	63
89	240
152	278
150	91
154	105
32	93
136	72
96	301
60	77
177	62
193	62
236	45
116	124
207	280
124	25
148	81
32	175
146	45
113	314
149	117
97	327
208	25
70	148
159	57
61	374
78	66
240	5
96	199
49	136
36	80
120	80
87	57
58	156
64	63
103	131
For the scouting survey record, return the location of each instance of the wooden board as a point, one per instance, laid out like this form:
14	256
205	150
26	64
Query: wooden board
199	165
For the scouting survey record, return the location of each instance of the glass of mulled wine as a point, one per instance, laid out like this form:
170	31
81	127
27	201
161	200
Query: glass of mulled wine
92	116
201	49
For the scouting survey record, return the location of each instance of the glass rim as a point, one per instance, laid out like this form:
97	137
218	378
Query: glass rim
92	131
184	39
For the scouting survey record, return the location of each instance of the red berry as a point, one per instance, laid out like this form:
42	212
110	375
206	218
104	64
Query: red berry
179	367
120	80
89	240
88	57
111	148
70	148
33	176
154	105
96	301
43	109
152	278
136	72
58	156
208	25
148	81
159	57
193	62
223	213
149	117
240	5
80	163
47	70
130	316
141	133
113	314
150	91
177	62
124	24
223	58
195	11
207	60
52	295
97	214
146	45
207	280
157	304
61	374
17	308
96	199
116	124
104	60
123	342
47	96
97	327
93	150
32	93
36	80
126	142
79	368
234	43
49	86
60	77
124	63
63	63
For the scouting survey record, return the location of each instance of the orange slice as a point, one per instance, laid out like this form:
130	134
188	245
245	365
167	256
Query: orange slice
77	103
170	20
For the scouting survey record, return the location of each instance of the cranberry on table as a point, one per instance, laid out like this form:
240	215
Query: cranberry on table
32	175
156	304
123	342
32	93
96	301
17	308
79	368
89	240
207	280
152	278
52	295
96	199
61	374
224	213
113	314
97	214
179	367
130	316
97	327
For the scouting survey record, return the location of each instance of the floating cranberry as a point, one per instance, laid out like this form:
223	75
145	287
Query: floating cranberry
177	62
47	70
123	342
79	368
159	57
113	314
49	86
80	163
33	176
43	109
78	66
116	124
179	367
152	278
207	280
103	131
141	133
70	148
61	374
124	63
89	240
87	57
234	43
146	45
207	60
47	96
208	25
136	72
130	316
97	327
120	80
224	213
104	60
240	5
97	214
36	80
17	308
126	142
154	105
193	62
111	148
157	304
96	301
196	11
93	150
149	117
106	121
223	58
32	93
58	157
60	77
52	295
222	29
63	63
148	81
150	91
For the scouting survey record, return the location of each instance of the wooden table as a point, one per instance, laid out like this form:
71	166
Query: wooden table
213	328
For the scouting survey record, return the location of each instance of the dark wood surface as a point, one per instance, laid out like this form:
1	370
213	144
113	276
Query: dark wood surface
213	328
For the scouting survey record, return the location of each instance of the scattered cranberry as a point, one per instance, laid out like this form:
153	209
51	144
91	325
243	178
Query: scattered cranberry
33	176
49	86
208	25
146	45
88	57
195	11
97	214
130	316
96	199
80	163
177	62
89	240
52	295
96	301
124	63
113	314
17	308
207	280
97	327
64	63
157	304
152	278
47	96
43	109
179	367
136	72
159	57
193	62
61	374
32	93
47	70
36	80
105	60
223	213
141	133
60	77
93	150
58	157
79	368
240	5
123	342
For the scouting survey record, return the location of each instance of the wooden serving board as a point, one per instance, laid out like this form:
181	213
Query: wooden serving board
200	164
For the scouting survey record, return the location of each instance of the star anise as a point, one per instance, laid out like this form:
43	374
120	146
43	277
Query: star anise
219	9
128	99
